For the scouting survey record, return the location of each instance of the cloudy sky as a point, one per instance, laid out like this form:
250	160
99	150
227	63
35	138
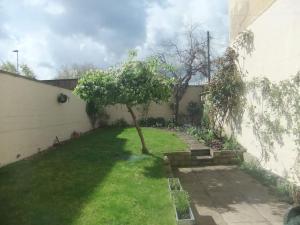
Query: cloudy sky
53	33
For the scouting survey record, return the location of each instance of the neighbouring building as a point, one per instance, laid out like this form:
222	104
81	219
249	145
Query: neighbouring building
275	54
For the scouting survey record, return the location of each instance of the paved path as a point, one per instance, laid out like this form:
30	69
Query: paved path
224	195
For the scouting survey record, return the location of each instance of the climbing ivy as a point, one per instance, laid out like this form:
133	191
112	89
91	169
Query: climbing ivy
276	112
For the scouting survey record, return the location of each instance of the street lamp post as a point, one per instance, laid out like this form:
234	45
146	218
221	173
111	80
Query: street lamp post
17	51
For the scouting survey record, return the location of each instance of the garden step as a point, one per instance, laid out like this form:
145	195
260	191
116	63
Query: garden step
202	158
200	152
202	161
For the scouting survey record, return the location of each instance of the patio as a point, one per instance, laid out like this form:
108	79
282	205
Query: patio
224	195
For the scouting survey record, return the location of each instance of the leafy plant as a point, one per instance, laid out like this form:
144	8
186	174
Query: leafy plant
174	184
97	114
204	134
182	204
171	123
231	144
195	112
62	98
152	122
205	121
120	123
226	98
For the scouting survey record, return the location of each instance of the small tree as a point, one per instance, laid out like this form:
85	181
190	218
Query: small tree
8	67
74	71
188	58
132	84
227	93
26	71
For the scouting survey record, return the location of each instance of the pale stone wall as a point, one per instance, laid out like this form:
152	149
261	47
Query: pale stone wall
155	110
276	55
31	117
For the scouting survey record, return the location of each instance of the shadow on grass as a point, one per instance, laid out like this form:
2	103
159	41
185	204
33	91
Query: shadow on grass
155	169
52	187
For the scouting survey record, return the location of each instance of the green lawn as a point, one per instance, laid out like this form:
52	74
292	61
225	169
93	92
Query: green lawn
100	178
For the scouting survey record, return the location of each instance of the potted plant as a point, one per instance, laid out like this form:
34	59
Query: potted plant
62	98
184	214
174	184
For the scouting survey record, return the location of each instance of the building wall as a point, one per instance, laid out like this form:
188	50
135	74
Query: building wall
31	117
245	12
276	55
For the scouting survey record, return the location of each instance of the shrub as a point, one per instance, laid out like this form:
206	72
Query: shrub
231	144
182	204
96	114
205	122
174	184
204	134
152	122
195	112
120	123
171	123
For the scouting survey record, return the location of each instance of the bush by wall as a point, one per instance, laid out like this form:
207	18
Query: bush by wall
153	122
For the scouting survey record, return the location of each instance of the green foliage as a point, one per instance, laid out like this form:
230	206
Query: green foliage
205	121
203	134
277	112
231	144
152	122
182	204
135	83
97	114
174	184
120	123
171	123
226	98
195	112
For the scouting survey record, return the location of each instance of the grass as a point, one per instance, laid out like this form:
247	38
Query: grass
100	178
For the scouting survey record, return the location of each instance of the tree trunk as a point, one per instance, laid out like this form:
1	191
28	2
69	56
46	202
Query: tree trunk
144	148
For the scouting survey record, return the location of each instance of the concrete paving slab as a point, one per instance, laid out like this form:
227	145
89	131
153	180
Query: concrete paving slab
225	195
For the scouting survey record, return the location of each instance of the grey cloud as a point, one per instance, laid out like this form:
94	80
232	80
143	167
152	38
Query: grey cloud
118	24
